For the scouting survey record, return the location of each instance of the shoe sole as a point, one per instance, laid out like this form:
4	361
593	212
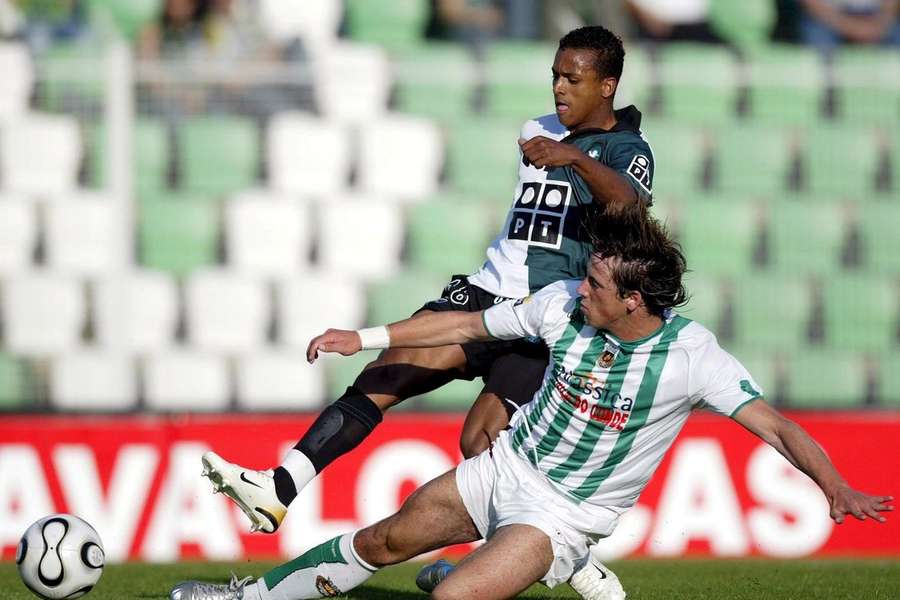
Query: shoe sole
222	484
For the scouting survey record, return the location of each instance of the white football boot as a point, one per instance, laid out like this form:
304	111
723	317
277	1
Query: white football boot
198	590
253	491
595	581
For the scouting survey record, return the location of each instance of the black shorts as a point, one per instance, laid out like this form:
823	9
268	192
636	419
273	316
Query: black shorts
511	369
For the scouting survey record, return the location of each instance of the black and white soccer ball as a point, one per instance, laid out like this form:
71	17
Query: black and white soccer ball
60	557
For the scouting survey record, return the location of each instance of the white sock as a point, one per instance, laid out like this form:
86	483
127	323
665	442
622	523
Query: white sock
300	468
327	570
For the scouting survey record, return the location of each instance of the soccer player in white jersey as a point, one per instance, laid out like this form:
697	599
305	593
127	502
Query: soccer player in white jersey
625	373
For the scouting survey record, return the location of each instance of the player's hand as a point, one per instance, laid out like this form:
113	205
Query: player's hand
543	152
847	501
334	340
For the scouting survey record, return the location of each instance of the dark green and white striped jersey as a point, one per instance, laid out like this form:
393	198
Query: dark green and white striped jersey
542	240
608	410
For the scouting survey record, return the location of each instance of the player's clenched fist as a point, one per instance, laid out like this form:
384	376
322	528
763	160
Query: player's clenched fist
543	152
334	340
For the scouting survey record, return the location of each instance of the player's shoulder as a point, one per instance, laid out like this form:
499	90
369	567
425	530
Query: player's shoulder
691	335
561	294
546	125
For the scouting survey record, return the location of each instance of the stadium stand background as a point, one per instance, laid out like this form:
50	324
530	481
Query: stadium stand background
175	227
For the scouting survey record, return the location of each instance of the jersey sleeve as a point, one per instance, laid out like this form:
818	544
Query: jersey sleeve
540	315
633	158
719	382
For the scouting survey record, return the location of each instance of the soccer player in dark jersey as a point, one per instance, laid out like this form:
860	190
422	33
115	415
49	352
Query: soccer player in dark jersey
584	157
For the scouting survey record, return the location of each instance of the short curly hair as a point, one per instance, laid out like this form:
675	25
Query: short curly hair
606	45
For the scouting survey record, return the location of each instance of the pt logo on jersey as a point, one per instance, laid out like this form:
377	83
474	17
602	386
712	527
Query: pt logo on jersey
539	213
639	169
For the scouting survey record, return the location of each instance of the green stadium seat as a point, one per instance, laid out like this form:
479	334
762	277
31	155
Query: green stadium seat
448	236
866	87
400	296
15	383
821	378
483	158
218	155
59	90
699	82
786	84
806	239
889	380
862	312
178	233
435	80
719	237
753	159
519	82
393	24
747	25
706	303
128	16
151	155
841	159
679	155
637	83
771	312
763	366
878	226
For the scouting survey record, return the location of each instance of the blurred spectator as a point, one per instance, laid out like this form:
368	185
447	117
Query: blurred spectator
562	16
179	31
673	20
47	22
827	23
475	22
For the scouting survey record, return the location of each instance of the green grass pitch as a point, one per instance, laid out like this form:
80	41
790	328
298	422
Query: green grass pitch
687	579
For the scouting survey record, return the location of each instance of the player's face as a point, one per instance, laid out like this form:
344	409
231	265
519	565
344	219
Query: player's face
600	301
581	95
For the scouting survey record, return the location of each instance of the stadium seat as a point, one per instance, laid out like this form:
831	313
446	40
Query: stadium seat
706	303
183	380
753	159
218	155
341	372
17	82
448	236
400	157
483	158
128	16
310	303
746	25
135	312
889	380
719	236
637	83
267	234
315	22
91	380
151	155
699	82
804	239
435	80
393	24
400	296
817	378
518	79
306	154
866	89
18	234
15	383
279	380
42	314
679	156
786	84
40	154
72	77
771	312
225	311
360	237
84	234
861	312
352	82
841	159
178	233
878	227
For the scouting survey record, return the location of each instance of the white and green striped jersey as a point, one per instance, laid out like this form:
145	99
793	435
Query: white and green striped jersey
608	410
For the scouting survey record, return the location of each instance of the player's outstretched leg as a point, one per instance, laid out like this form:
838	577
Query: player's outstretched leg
596	581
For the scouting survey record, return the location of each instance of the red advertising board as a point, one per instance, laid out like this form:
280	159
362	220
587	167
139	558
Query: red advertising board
720	491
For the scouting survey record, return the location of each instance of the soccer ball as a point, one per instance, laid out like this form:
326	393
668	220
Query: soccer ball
60	557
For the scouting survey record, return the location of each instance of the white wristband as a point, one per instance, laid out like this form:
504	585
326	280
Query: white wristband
374	338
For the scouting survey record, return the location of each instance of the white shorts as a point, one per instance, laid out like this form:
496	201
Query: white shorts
499	488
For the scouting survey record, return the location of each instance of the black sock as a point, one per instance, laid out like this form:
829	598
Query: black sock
284	486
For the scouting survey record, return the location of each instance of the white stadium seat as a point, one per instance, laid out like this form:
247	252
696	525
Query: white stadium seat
17	80
267	234
315	22
42	314
93	380
136	312
400	157
226	311
307	154
311	303
18	234
352	82
276	380
185	380
361	237
40	154
83	234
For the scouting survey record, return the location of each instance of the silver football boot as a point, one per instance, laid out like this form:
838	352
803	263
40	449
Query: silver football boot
199	590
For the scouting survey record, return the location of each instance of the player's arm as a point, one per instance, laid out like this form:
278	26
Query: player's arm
425	330
803	452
